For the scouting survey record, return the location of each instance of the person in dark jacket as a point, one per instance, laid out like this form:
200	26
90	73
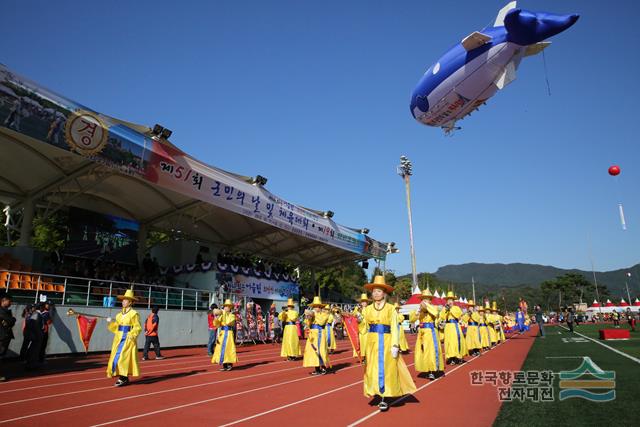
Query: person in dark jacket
26	341
540	321
34	332
47	320
6	326
151	335
571	317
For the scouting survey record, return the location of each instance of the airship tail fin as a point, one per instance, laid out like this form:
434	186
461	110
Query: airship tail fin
503	12
534	49
507	75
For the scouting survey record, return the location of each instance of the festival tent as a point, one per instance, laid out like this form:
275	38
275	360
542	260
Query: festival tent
636	303
413	303
623	303
609	304
595	304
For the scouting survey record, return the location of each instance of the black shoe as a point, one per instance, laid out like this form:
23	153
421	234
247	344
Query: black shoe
383	406
159	357
230	367
122	382
323	371
431	376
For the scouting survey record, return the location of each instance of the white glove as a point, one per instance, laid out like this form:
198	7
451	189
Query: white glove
395	351
109	320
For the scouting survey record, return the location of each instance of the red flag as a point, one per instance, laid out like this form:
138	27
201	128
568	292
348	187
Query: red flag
85	327
351	324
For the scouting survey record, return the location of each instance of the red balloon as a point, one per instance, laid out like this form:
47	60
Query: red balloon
614	170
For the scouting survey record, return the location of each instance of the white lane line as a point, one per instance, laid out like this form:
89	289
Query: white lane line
146	394
166	362
621	353
295	403
210	400
290	404
111	387
103	376
400	399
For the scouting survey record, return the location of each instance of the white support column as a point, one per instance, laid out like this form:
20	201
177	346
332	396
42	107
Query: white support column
26	228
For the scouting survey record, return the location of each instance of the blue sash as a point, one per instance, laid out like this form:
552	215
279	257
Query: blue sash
226	330
319	329
125	331
429	325
328	335
380	330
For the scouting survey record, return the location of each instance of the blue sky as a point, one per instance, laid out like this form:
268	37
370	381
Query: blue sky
315	96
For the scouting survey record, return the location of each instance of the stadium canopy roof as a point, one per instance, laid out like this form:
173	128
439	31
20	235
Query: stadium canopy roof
59	153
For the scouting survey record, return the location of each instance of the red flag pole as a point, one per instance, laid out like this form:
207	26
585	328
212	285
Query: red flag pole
355	348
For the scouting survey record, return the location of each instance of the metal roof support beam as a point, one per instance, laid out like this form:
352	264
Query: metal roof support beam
12	184
82	170
170	212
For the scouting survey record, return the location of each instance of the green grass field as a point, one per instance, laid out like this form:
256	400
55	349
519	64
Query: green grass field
563	351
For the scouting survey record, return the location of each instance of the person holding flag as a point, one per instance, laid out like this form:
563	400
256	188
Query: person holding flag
225	351
123	361
316	354
386	374
362	326
473	321
290	340
455	347
428	354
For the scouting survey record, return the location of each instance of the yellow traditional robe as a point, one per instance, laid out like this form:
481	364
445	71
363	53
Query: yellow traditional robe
493	335
225	351
384	375
404	345
484	331
473	338
428	354
330	333
500	332
363	328
290	339
316	352
454	341
124	350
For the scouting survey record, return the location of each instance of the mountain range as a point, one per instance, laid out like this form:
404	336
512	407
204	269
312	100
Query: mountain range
493	276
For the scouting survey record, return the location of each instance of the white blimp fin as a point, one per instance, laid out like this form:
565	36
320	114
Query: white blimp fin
536	48
503	12
507	75
475	40
623	222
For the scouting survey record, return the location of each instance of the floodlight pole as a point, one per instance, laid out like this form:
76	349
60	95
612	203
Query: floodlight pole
405	171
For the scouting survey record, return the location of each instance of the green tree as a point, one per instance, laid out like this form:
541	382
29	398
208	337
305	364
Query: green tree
49	233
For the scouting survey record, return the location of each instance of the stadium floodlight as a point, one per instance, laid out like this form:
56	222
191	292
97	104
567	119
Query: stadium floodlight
166	133
328	214
259	180
364	231
405	170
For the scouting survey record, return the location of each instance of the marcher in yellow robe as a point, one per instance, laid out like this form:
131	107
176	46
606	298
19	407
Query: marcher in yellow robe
491	324
316	353
455	347
404	345
484	329
124	350
329	329
225	352
473	338
386	374
497	318
363	328
428	354
290	340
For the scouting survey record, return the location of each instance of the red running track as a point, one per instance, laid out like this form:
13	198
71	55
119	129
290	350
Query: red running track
187	389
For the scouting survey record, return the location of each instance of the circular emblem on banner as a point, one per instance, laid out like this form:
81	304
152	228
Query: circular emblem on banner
86	133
